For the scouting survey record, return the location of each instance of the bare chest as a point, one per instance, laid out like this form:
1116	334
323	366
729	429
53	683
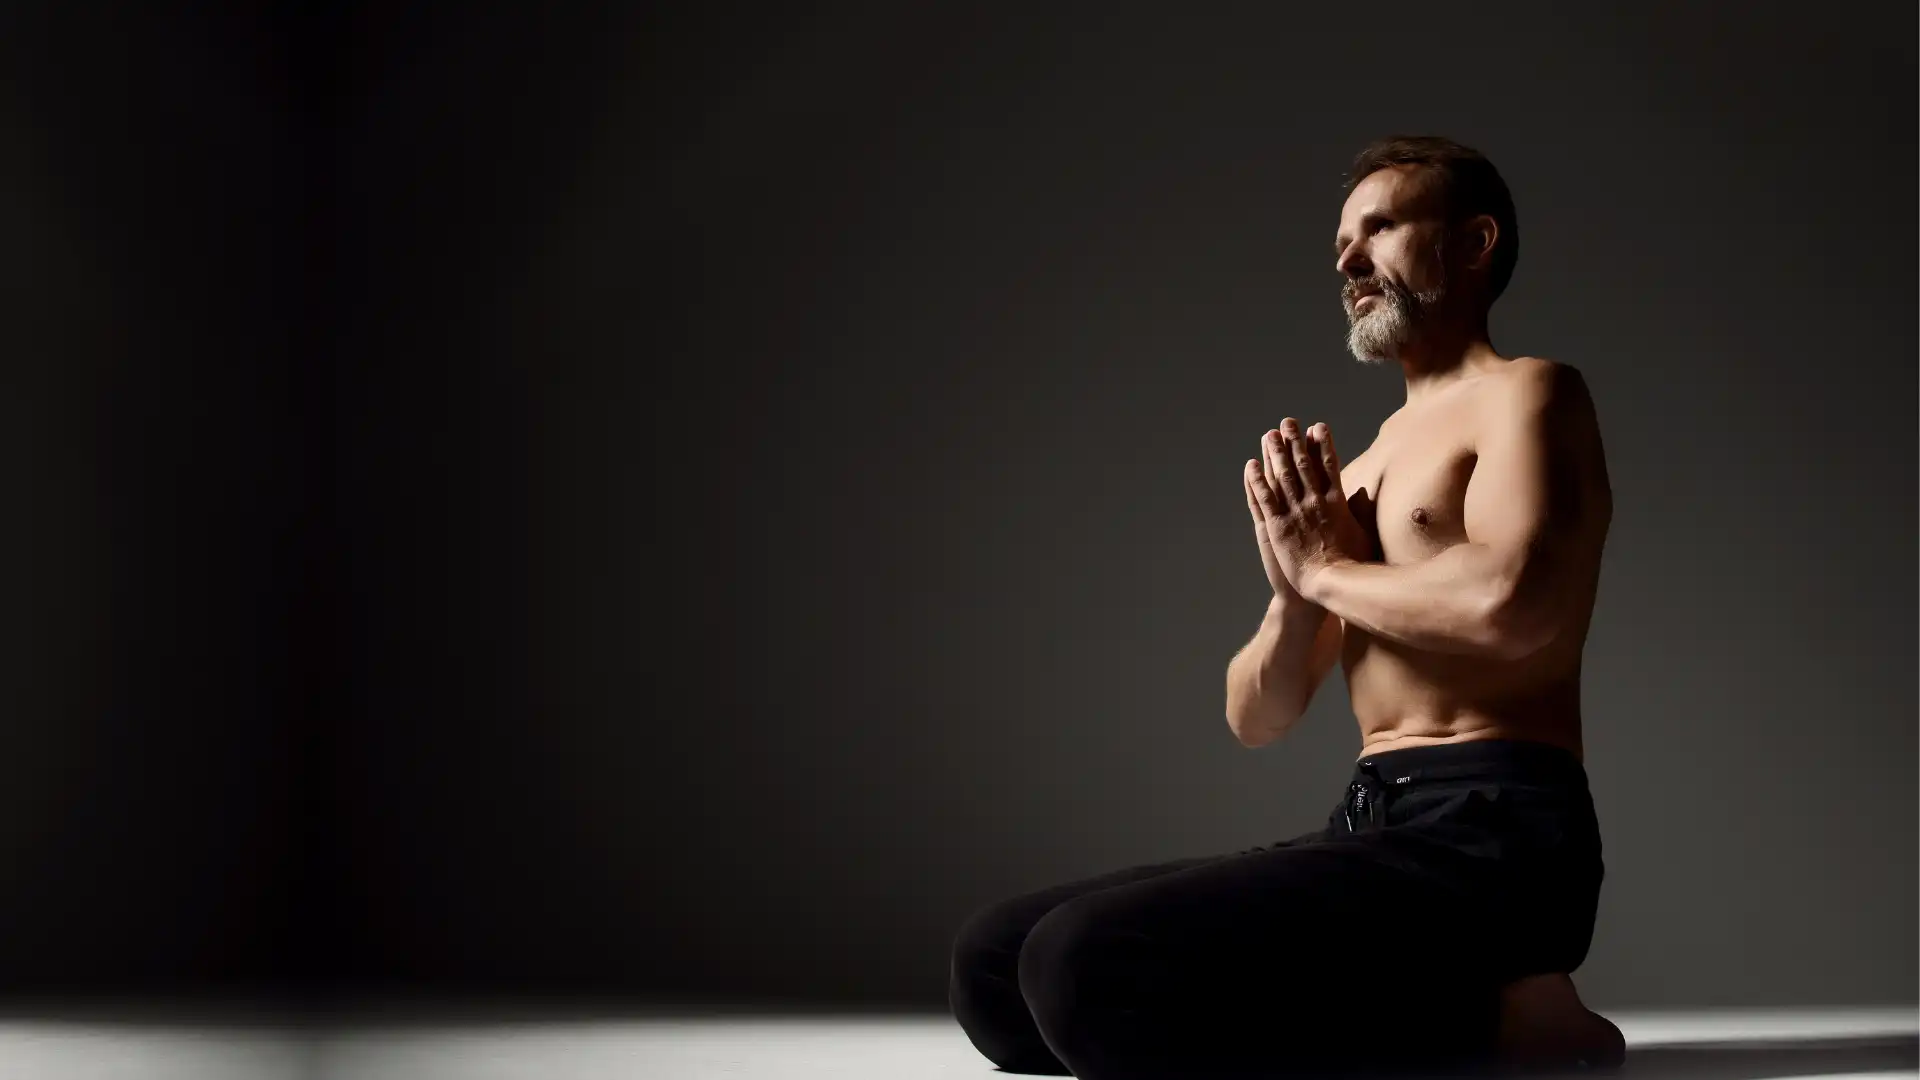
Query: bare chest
1409	488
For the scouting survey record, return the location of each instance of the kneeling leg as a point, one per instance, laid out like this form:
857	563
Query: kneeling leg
1321	960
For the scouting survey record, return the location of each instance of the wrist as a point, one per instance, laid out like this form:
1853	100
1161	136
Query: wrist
1313	578
1289	607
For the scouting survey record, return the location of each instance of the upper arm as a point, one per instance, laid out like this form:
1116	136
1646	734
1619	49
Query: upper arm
1537	499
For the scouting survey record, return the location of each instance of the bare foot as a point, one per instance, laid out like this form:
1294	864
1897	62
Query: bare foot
1544	1025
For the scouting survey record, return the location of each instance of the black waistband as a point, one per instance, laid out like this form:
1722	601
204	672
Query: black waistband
1514	760
1379	778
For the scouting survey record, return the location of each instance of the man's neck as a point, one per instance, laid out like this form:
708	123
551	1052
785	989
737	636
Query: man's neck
1444	355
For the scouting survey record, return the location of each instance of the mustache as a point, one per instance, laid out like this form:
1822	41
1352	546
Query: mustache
1360	290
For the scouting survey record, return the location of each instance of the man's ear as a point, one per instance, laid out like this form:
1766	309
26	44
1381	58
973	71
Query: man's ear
1479	235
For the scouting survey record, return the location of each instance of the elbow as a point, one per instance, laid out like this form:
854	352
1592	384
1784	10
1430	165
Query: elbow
1253	727
1516	626
1254	716
1252	737
1249	730
1240	734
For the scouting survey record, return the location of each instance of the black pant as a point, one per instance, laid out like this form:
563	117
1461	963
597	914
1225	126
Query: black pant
1373	945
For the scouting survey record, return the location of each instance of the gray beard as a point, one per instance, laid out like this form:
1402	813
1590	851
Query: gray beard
1379	334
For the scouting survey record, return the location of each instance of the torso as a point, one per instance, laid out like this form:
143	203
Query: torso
1414	478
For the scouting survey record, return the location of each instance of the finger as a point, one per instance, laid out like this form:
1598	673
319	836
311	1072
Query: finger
1267	472
1247	472
1280	465
1306	462
1261	498
1330	462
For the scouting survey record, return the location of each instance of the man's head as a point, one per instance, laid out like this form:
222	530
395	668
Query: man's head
1429	227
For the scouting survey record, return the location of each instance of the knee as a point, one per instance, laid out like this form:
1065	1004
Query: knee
984	995
982	967
1069	960
987	944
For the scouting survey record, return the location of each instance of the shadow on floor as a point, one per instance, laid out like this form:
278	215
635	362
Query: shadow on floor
1750	1060
1777	1058
1746	1060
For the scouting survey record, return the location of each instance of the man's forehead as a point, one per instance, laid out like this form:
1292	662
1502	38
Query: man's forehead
1389	190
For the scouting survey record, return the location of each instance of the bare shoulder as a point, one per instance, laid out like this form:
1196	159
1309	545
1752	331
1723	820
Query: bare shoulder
1552	399
1535	372
1532	386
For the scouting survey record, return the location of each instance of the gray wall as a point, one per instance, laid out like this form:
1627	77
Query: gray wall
156	545
823	455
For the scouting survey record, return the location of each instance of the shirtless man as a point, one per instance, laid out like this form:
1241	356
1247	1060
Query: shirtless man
1452	569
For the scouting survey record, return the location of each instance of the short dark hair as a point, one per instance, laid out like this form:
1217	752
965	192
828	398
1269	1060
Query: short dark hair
1467	183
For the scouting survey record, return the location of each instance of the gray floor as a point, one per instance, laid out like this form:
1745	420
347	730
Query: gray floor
100	1050
1733	1045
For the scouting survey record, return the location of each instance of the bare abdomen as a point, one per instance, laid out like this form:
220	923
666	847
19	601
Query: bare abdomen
1405	697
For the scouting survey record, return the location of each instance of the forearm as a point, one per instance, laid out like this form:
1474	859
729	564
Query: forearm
1455	602
1267	679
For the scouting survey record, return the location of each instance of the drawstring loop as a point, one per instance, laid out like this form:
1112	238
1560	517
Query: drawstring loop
1367	796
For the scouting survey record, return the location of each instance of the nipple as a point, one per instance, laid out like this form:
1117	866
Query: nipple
1420	515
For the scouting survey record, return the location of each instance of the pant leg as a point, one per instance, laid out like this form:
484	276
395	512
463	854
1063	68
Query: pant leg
1324	958
983	985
